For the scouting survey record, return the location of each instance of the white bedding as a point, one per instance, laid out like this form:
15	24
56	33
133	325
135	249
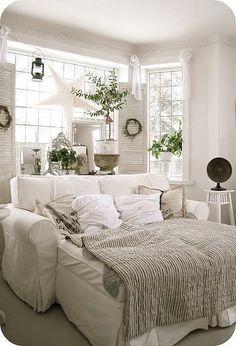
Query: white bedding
80	280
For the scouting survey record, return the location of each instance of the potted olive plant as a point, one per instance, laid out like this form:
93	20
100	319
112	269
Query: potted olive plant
167	145
108	98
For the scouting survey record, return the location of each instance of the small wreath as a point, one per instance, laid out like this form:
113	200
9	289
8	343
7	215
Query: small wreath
132	135
5	114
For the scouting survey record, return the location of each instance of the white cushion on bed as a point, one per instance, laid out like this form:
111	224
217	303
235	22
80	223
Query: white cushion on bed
139	209
96	212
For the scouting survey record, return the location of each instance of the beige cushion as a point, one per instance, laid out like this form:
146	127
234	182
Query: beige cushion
173	201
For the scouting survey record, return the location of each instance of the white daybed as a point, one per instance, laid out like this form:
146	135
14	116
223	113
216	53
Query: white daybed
42	270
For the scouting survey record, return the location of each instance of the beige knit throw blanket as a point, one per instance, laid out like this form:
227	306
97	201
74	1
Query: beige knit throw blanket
175	271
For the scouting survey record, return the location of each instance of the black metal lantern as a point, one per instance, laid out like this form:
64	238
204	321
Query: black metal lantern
37	69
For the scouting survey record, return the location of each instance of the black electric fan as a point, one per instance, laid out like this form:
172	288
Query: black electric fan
219	170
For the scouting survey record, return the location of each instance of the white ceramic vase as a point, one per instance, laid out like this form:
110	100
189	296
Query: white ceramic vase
107	147
166	156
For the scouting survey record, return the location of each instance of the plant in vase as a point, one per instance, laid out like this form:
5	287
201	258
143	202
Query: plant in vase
167	145
106	95
65	156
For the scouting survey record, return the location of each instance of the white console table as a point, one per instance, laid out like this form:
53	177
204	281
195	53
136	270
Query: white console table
220	198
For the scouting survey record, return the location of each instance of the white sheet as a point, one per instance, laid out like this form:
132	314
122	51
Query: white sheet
99	316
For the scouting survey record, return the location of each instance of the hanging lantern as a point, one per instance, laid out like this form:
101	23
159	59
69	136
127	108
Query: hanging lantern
37	68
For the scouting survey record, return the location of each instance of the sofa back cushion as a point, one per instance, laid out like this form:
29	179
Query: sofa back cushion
128	184
25	189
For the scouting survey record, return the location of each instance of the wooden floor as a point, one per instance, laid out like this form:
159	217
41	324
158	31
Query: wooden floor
28	328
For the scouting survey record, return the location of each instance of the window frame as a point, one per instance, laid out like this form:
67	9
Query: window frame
185	178
51	58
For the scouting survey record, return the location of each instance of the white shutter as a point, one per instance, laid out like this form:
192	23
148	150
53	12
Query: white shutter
133	155
7	138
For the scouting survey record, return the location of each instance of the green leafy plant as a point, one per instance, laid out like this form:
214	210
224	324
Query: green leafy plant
106	95
67	157
172	143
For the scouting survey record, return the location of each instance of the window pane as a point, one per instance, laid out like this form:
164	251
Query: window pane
32	116
44	135
44	117
22	63
20	114
177	93
21	97
177	78
166	78
177	123
21	80
36	124
166	124
30	134
33	98
33	85
55	131
20	133
177	107
165	114
69	71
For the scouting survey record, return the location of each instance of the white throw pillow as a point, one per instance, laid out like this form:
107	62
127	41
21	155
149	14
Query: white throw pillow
96	212
139	209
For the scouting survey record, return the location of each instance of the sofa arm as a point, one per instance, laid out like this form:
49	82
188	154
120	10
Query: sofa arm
197	209
30	257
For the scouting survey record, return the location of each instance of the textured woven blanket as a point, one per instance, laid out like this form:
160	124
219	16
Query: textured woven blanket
175	271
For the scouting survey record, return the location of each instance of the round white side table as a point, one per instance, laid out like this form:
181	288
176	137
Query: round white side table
220	198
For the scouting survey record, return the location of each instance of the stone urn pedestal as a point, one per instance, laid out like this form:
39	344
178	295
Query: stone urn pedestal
106	163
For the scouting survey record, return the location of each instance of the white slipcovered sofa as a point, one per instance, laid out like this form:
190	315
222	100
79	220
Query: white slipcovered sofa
30	255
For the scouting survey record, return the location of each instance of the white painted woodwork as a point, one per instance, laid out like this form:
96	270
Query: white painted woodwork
7	138
133	154
220	198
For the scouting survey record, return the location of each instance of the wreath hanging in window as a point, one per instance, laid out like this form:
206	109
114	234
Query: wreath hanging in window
5	118
132	128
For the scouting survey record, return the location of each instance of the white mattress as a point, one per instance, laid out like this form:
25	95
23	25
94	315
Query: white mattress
75	264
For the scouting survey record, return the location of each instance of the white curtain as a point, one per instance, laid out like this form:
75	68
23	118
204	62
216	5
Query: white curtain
4	31
185	58
136	82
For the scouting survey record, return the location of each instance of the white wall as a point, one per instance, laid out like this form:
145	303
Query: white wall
213	125
40	33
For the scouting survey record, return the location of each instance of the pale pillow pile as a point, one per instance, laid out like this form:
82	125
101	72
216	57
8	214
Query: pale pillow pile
98	211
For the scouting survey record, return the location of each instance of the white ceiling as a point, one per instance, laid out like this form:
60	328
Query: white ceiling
135	21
